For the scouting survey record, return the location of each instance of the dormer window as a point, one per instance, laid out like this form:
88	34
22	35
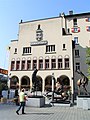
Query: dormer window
75	22
38	27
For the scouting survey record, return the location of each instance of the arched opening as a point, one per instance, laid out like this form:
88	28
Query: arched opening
39	83
64	81
48	83
25	82
14	82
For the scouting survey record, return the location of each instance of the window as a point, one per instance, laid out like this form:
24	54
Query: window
34	64
76	53
26	50
28	64
60	63
23	65
88	19
66	63
50	48
64	46
15	51
88	28
77	66
68	30
40	64
12	65
75	29
17	65
75	22
46	63
53	63
63	31
76	40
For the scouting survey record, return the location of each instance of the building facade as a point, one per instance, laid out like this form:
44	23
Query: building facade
55	46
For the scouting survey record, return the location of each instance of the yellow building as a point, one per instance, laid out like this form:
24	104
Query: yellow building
47	44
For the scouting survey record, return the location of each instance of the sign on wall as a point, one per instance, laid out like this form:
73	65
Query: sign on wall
3	71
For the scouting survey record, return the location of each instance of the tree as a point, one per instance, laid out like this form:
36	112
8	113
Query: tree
0	89
3	83
88	60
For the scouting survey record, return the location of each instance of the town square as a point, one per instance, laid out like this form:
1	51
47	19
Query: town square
45	61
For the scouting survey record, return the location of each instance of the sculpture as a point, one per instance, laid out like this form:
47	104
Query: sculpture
63	91
83	82
34	78
35	81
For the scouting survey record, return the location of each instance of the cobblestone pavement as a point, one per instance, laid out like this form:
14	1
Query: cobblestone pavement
7	112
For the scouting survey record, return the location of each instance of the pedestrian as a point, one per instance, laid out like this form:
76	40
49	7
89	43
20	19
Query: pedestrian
22	99
16	97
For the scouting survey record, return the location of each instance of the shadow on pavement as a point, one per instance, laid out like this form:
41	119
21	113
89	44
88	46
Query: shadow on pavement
39	113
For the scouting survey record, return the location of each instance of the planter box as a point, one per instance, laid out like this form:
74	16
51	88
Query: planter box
35	101
83	101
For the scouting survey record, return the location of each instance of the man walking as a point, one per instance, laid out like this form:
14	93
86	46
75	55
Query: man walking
22	100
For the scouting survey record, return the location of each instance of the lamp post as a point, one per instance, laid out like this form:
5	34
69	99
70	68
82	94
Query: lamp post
52	86
9	78
72	97
73	84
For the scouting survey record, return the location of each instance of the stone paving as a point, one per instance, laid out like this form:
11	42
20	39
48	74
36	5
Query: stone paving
7	112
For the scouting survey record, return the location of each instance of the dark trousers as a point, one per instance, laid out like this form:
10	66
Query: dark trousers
22	105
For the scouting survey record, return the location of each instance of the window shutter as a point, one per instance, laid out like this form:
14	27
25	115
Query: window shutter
87	28
86	19
72	29
79	29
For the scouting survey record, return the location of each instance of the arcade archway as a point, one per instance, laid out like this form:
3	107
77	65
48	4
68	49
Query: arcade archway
64	81
48	83
25	82
14	82
39	83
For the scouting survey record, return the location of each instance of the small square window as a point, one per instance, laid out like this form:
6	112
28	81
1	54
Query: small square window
76	53
77	66
75	22
75	29
76	40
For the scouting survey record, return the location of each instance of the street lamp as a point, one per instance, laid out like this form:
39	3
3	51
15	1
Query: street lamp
9	77
52	86
72	97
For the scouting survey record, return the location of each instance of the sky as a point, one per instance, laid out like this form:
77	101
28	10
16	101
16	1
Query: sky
12	11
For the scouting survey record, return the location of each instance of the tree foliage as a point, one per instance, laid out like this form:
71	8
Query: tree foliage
88	60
